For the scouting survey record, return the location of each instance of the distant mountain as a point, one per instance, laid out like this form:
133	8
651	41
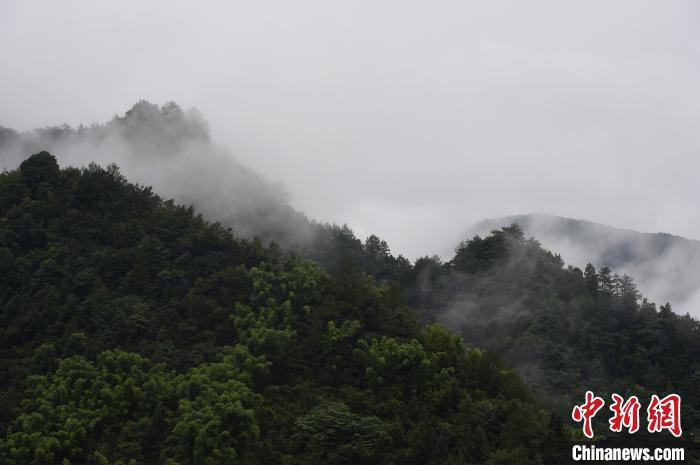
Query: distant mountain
565	328
665	267
170	149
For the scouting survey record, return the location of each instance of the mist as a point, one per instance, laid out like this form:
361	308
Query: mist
410	120
664	267
170	150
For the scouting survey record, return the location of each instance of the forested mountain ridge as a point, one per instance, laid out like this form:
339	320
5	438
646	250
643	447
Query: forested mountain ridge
171	150
133	329
664	266
565	329
135	332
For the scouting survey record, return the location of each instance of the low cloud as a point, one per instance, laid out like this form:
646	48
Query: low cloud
665	267
170	149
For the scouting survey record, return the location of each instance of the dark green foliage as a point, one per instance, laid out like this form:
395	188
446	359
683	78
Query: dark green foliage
122	407
332	434
565	330
134	332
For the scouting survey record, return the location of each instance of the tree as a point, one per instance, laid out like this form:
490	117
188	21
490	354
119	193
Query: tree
591	278
332	434
605	280
40	167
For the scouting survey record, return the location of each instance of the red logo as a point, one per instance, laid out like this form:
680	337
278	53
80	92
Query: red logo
662	414
587	411
665	414
625	414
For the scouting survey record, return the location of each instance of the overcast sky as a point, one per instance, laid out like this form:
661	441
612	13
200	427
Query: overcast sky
408	119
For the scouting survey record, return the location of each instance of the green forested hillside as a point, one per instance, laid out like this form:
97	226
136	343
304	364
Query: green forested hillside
663	265
170	149
135	332
565	329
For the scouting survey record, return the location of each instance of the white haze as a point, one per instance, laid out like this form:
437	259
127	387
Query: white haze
403	118
170	150
665	268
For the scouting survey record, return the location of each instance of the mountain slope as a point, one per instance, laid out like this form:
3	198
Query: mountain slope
567	330
664	266
170	149
133	331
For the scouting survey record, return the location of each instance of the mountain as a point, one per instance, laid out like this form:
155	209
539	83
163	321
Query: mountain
565	329
134	331
170	149
664	266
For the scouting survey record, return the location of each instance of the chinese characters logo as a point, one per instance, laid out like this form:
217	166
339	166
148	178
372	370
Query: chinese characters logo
662	414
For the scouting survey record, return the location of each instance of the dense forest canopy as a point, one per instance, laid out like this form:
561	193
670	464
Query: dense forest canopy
563	327
170	149
136	332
